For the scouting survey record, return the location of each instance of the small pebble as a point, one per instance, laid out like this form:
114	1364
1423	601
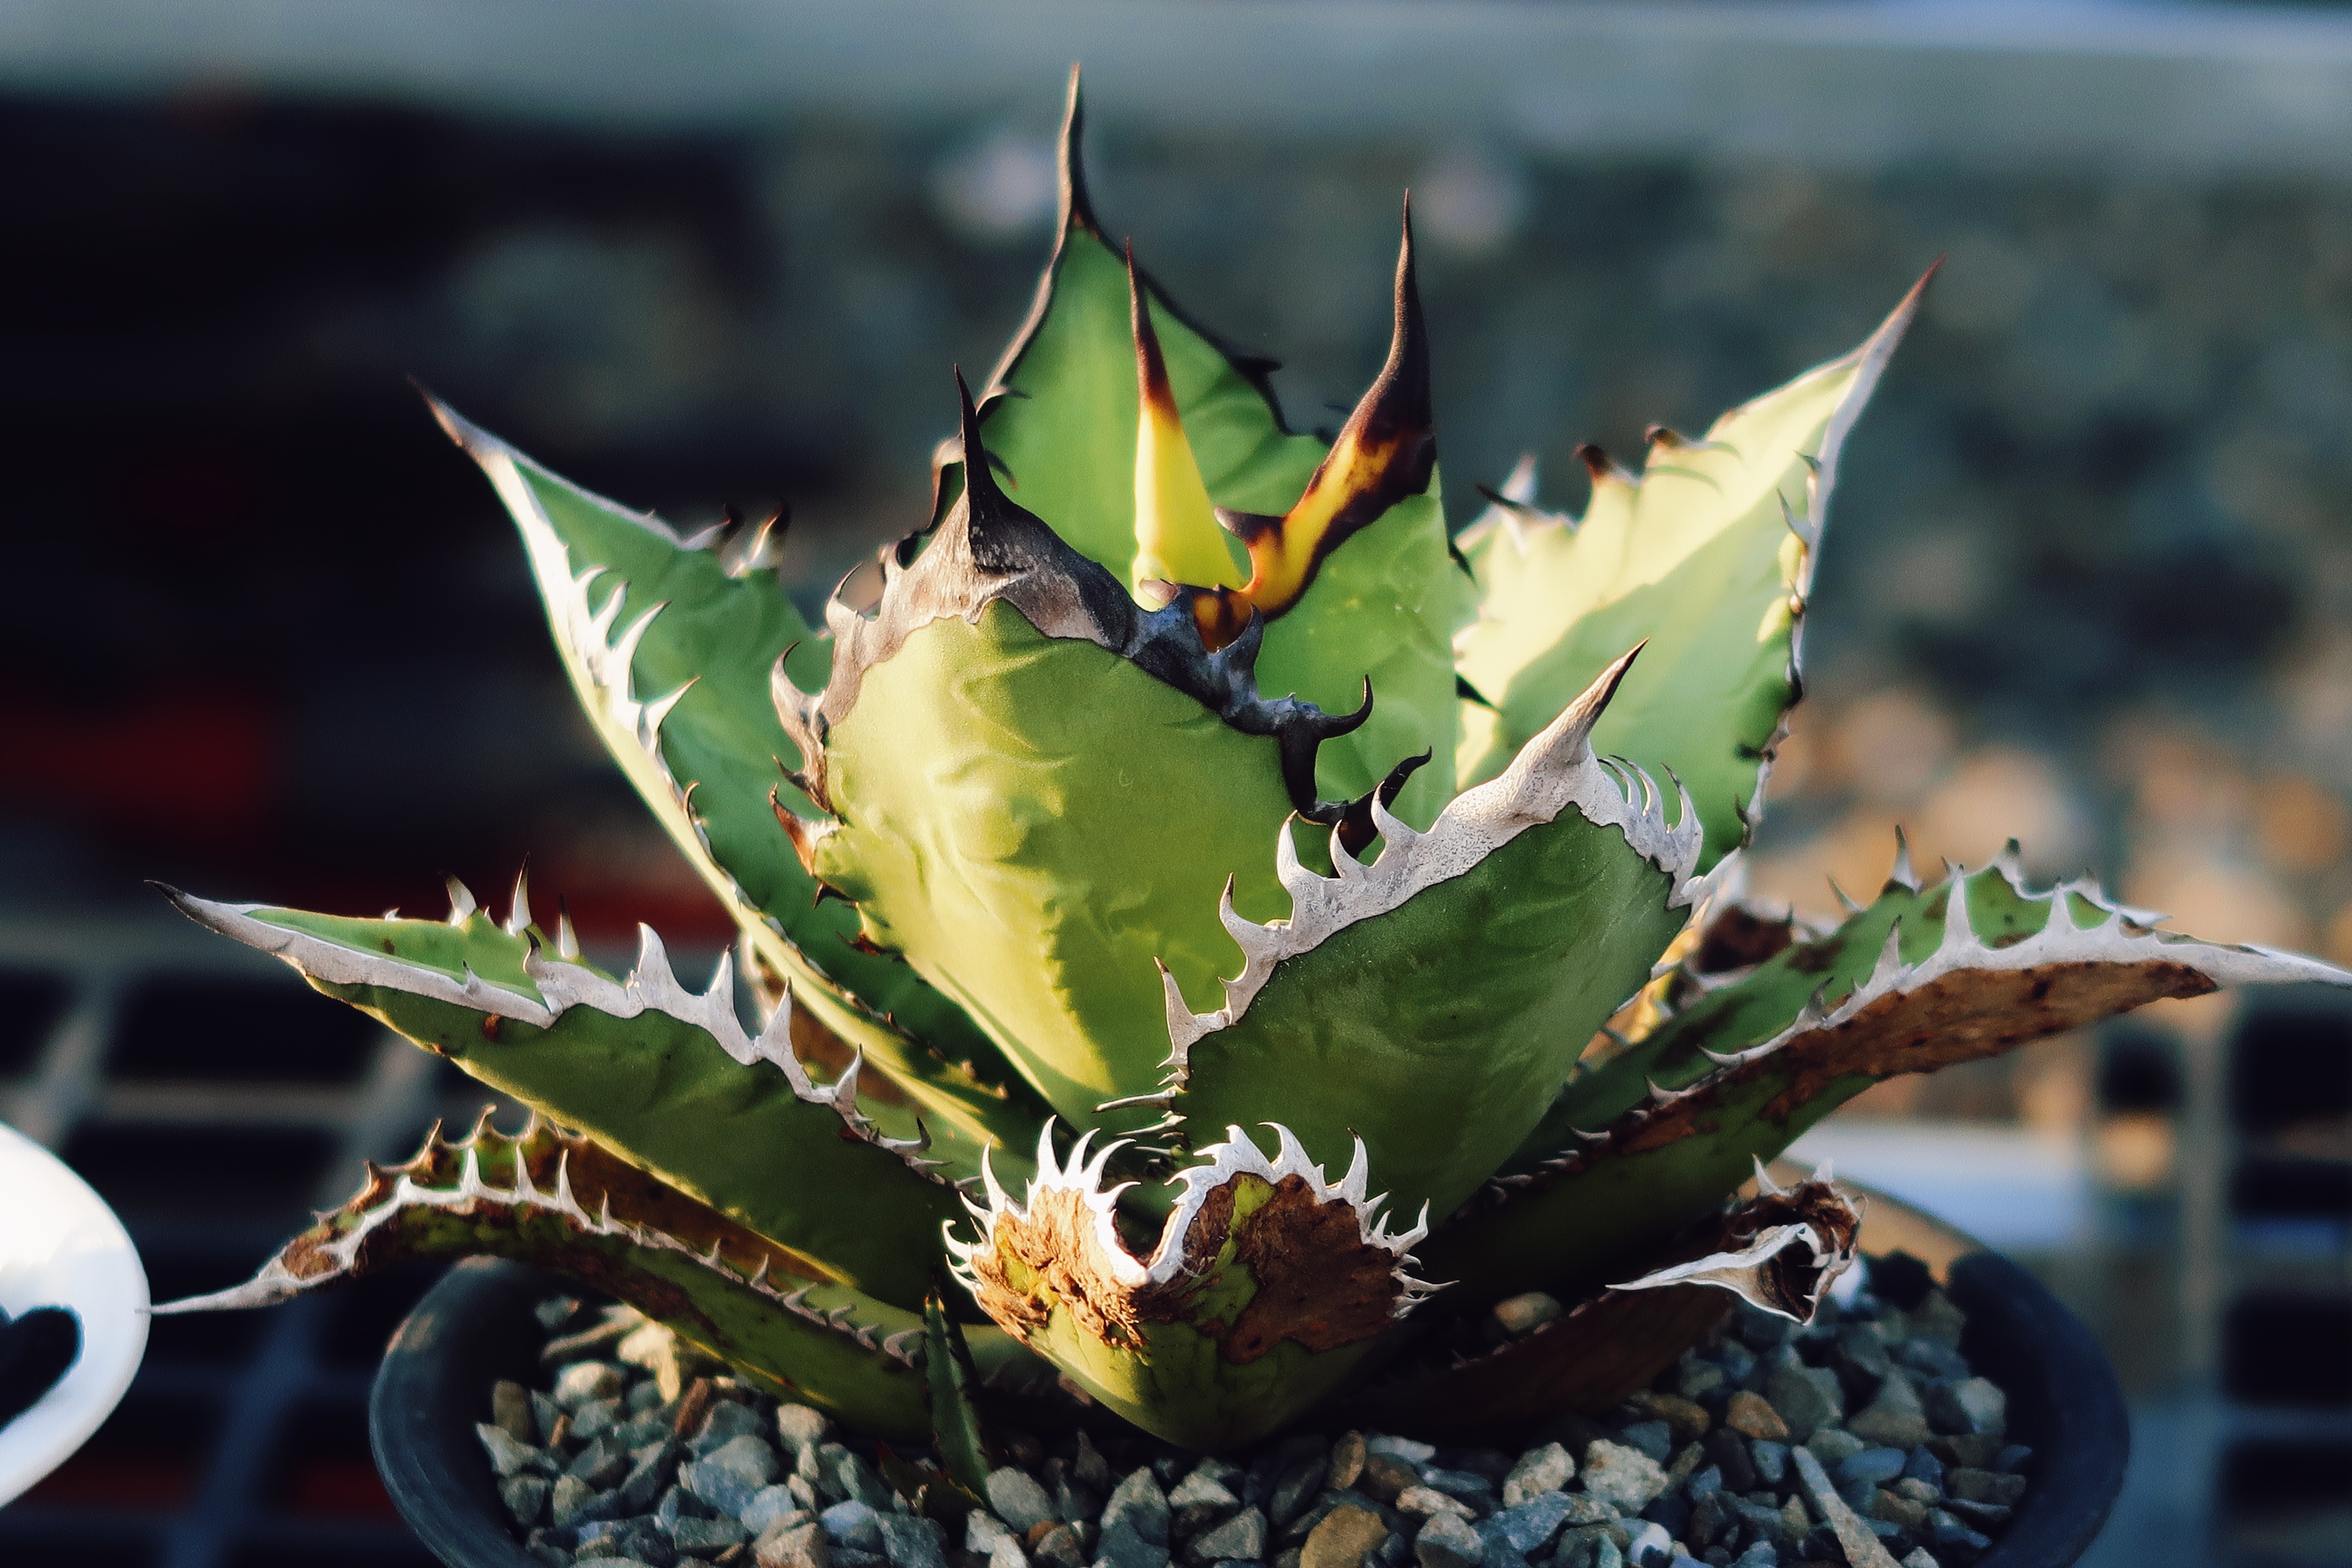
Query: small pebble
1540	1470
1346	1463
852	1524
1623	1478
1344	1536
801	1545
1059	1545
708	1535
1404	1449
1428	1502
1531	1524
508	1455
1830	1446
585	1381
1521	1315
1975	1406
525	1498
1754	1415
1806	1398
1651	1547
1385	1475
1447	1541
1654	1438
911	1543
1894	1417
1018	1500
604	1467
1239	1539
1686	1419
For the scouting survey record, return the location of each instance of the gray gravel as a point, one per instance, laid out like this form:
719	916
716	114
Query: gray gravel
1744	1453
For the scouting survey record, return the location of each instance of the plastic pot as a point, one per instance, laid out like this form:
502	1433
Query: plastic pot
476	1326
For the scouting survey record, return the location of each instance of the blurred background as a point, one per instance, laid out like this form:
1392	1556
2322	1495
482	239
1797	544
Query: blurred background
2088	582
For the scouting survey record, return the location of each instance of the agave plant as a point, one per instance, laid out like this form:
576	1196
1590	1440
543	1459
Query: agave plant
1193	817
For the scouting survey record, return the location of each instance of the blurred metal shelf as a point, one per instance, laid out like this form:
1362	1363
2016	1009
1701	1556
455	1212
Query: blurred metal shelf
243	1442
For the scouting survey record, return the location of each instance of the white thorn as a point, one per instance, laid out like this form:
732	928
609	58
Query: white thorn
1959	934
461	902
567	941
519	913
998	1202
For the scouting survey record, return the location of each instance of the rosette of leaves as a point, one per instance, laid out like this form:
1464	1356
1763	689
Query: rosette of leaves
1216	933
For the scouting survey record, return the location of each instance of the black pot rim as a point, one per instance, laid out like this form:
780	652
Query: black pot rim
2064	1401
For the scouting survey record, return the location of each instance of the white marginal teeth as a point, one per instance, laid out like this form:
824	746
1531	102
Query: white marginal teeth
1556	772
2061	939
1238	1155
562	985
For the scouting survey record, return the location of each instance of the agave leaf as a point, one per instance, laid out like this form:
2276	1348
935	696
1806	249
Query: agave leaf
560	1201
666	1078
670	646
1039	787
1708	555
1616	1341
1268	1284
956	1429
1061	415
1060	412
1031	821
1973	966
1553	888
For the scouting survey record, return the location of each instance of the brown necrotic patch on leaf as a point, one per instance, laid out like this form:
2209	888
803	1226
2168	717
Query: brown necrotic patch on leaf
1957	1018
1321	1267
1053	1255
1741	937
544	1194
1972	1014
1318	1283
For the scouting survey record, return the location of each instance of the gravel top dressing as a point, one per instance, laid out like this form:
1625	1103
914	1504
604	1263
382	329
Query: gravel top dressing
1862	1440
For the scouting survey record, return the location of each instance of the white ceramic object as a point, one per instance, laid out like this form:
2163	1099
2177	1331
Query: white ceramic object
60	1245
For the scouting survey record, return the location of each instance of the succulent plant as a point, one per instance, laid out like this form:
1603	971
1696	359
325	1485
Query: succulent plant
1191	819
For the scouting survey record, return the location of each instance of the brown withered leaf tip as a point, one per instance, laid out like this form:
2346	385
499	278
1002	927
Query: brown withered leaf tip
1791	1282
1386	452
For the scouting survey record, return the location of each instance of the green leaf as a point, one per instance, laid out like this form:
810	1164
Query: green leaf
1434	1001
561	1202
670	648
1267	1285
1707	556
1033	821
1919	981
1061	415
666	1079
956	1429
